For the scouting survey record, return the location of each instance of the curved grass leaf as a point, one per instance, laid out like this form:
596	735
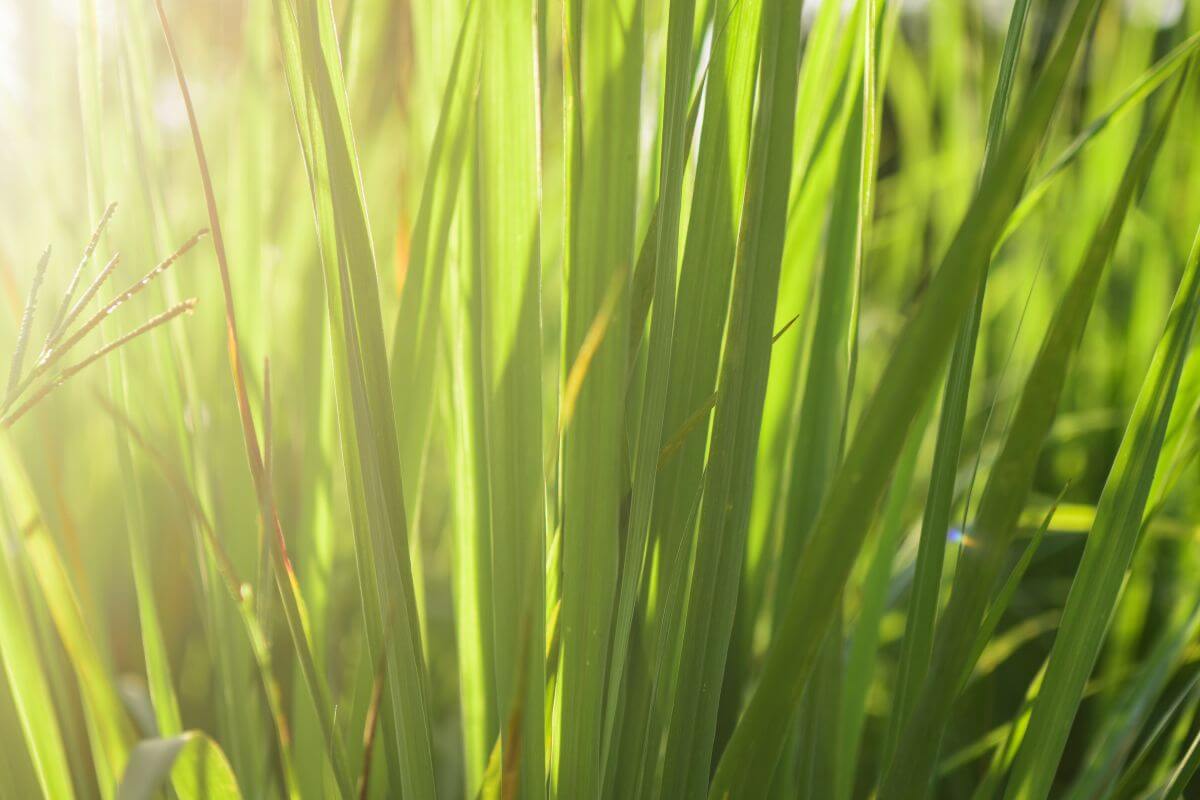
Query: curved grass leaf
192	762
365	406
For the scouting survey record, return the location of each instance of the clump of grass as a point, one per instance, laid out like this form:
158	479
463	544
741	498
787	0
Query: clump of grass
573	434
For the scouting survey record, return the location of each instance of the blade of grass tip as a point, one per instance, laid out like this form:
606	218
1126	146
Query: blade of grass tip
366	411
1111	543
59	323
285	581
414	337
648	442
979	565
917	645
916	362
508	176
19	652
728	487
602	86
193	763
672	445
18	358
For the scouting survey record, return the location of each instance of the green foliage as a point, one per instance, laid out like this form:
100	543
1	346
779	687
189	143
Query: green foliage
576	399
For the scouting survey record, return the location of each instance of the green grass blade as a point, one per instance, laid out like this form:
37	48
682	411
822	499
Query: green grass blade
1012	475
1133	97
472	502
648	443
110	729
701	305
824	407
725	504
366	409
917	646
863	650
1182	775
509	195
916	362
18	647
1113	538
1102	772
603	68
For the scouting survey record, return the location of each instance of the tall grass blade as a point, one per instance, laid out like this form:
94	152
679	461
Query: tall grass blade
1113	538
995	523
917	646
509	224
825	403
366	416
701	309
284	576
675	135
110	730
602	94
859	484
728	482
27	679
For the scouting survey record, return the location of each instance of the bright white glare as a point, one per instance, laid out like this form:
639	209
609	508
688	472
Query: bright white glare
10	62
1154	13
